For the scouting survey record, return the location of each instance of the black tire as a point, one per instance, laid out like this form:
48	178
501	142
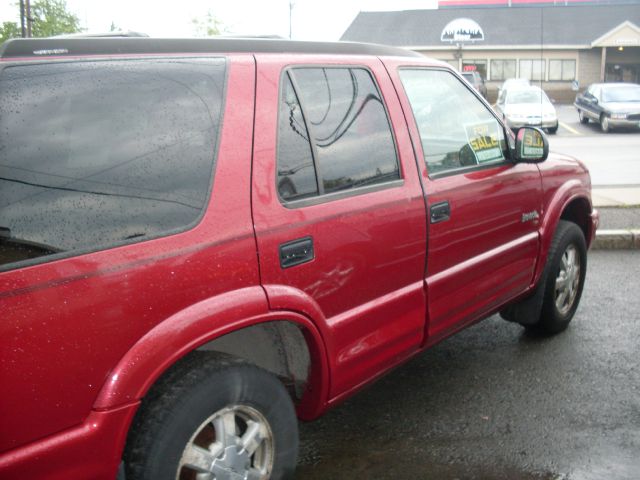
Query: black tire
604	124
583	118
554	129
206	386
553	319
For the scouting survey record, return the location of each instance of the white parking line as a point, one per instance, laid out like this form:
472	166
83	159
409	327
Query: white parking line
567	127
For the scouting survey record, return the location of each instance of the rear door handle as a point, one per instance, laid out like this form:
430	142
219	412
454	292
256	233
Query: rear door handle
296	252
440	212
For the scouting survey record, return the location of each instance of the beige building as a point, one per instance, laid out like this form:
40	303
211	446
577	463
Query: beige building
562	48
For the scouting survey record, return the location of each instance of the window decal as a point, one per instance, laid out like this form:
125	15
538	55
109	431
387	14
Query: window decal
484	141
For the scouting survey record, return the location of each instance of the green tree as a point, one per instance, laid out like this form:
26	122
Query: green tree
49	18
208	26
9	30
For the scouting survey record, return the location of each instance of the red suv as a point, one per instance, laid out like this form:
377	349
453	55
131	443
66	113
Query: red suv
204	240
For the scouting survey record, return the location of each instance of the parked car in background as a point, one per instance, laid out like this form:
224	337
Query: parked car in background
203	240
513	83
610	104
476	81
527	106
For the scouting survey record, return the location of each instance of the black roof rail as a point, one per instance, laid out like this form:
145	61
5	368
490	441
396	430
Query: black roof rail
56	46
117	33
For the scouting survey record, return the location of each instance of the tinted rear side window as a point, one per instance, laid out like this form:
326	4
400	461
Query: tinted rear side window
94	154
349	125
334	133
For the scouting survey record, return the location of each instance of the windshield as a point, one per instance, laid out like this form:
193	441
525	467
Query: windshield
527	96
621	94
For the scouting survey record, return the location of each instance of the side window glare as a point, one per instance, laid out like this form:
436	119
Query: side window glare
334	133
296	173
456	129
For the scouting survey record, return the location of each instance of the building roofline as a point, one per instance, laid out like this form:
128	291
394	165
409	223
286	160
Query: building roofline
626	23
66	47
498	47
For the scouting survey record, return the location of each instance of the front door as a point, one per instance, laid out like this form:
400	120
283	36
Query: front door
483	209
338	210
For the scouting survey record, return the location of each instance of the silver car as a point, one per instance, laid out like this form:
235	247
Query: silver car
527	106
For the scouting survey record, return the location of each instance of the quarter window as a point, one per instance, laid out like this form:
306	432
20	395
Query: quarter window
94	154
456	129
349	133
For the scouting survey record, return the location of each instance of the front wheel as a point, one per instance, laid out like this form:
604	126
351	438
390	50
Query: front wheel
564	278
583	117
214	417
605	126
553	129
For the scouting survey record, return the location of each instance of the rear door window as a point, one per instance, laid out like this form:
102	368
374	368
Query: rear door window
95	154
344	125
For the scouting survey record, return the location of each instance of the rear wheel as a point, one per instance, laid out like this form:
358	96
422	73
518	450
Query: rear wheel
553	129
214	417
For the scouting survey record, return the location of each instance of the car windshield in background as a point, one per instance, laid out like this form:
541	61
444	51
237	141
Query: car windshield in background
621	94
526	96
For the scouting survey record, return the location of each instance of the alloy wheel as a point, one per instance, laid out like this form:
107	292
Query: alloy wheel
568	280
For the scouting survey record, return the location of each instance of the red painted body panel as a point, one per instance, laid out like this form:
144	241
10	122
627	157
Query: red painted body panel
564	180
369	248
91	450
84	338
62	332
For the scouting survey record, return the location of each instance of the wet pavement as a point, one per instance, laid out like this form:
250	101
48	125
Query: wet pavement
496	403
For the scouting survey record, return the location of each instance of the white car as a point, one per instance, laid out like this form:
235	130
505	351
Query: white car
527	106
513	83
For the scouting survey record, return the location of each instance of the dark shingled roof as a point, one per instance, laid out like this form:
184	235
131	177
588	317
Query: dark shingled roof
573	25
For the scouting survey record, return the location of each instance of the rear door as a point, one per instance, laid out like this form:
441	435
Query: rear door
483	209
338	208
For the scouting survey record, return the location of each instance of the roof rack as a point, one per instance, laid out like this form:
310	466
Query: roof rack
117	33
56	46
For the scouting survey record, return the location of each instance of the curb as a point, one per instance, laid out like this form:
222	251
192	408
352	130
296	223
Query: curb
617	240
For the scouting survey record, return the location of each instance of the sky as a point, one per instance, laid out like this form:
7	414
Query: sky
311	19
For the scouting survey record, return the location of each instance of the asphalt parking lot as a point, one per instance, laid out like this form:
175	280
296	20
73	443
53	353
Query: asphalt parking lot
494	402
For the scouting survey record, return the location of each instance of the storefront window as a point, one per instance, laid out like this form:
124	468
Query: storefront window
532	69
503	69
562	70
479	66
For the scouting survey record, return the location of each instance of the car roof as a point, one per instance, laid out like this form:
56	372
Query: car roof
524	88
57	46
617	84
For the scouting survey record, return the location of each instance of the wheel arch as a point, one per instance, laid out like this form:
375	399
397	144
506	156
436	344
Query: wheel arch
572	203
227	323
